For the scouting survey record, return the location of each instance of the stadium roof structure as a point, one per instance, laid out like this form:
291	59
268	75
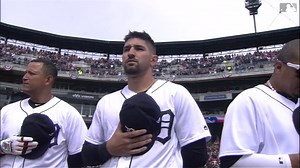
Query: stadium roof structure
273	37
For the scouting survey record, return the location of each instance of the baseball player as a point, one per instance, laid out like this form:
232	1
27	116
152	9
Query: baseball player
258	128
183	135
66	144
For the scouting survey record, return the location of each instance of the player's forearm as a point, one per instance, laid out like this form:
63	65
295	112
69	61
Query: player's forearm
93	155
263	160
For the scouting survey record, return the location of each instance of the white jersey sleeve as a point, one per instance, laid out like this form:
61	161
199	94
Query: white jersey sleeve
105	118
75	129
190	124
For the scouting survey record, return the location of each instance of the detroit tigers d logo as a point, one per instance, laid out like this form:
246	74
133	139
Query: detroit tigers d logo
167	118
55	136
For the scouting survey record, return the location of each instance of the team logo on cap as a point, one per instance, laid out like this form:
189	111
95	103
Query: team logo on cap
128	129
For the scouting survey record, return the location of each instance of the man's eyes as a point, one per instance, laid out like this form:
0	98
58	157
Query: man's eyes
125	49
137	48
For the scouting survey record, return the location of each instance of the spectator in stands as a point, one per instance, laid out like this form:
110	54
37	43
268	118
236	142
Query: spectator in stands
55	131
258	128
184	128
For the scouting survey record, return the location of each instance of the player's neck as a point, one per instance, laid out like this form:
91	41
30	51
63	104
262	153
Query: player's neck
34	104
140	85
41	99
269	84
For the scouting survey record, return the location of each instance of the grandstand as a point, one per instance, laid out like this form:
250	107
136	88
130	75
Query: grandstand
214	70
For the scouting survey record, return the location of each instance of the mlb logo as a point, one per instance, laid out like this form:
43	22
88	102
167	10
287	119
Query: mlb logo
287	7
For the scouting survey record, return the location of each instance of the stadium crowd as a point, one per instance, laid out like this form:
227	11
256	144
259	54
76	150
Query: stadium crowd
102	67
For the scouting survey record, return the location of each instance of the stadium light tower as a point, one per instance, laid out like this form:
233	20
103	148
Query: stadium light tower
252	6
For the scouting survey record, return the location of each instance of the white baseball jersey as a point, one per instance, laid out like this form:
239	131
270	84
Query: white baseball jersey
70	131
182	123
259	120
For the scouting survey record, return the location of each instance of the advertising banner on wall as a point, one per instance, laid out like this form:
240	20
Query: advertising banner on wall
214	119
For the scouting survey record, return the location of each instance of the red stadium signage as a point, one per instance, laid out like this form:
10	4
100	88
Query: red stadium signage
214	119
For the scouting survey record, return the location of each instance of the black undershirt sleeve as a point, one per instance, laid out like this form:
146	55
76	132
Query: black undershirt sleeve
75	160
94	155
195	154
228	161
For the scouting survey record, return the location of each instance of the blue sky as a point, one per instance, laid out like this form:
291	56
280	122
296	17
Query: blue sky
164	20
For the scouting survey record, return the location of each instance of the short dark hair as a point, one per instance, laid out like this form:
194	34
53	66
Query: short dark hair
288	53
141	35
49	68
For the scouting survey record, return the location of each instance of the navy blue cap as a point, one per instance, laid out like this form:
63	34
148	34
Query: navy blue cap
141	112
41	128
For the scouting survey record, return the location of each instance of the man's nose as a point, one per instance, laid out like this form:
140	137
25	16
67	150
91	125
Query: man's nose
25	76
131	55
131	52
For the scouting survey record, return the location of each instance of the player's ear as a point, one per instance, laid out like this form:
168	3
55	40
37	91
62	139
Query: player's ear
49	80
278	66
154	58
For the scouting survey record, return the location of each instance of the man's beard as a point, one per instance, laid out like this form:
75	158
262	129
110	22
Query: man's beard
132	70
